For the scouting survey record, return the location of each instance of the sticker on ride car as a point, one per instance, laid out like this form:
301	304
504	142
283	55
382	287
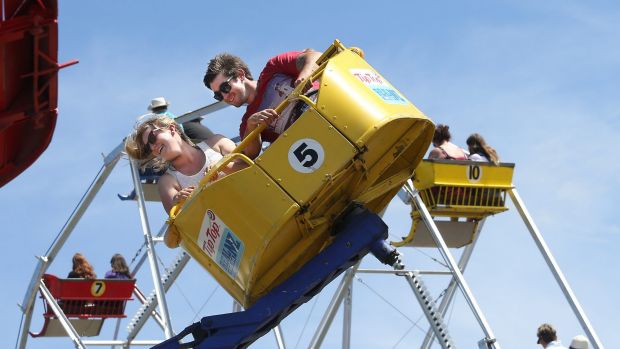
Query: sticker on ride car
306	155
379	86
220	243
97	288
474	173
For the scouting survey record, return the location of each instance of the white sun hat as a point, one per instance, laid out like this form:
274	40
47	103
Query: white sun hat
579	342
158	102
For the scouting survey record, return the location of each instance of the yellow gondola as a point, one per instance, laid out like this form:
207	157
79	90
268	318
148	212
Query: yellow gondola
457	189
358	142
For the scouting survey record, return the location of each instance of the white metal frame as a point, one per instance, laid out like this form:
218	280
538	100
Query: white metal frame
344	290
161	286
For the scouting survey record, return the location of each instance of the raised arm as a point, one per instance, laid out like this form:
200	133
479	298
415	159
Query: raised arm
306	64
225	146
171	192
262	117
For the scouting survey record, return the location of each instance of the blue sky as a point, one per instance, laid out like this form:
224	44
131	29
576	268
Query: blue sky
538	79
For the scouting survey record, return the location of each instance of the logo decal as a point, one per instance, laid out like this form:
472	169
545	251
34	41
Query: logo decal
220	243
379	86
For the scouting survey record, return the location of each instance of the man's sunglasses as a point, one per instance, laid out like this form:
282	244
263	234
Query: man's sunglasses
224	88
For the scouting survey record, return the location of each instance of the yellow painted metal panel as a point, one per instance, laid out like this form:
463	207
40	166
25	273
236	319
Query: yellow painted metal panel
355	98
462	173
226	226
304	158
277	214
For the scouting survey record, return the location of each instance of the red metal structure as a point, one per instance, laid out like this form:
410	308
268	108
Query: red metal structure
86	303
28	82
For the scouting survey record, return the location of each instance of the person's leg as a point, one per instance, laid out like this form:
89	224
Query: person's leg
196	131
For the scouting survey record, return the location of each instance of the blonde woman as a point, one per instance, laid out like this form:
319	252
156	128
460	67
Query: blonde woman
160	140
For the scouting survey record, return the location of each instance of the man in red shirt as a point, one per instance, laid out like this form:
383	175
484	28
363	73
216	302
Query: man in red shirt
231	81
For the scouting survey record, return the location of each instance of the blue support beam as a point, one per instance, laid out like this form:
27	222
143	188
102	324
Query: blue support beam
360	232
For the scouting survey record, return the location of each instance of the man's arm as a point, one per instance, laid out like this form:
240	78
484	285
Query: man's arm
225	146
306	64
262	117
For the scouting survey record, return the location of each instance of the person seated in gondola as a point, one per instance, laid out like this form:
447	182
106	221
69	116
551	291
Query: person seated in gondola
443	148
231	81
161	141
119	270
81	268
479	150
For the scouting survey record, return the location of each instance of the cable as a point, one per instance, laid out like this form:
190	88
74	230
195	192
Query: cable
415	323
431	257
316	298
205	303
177	286
74	210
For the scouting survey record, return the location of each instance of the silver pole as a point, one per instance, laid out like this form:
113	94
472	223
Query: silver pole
192	115
402	272
277	331
236	307
555	269
116	329
28	303
328	317
157	282
64	321
124	344
443	248
347	316
447	298
142	315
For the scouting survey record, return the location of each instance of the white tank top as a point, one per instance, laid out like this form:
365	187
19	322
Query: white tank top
211	157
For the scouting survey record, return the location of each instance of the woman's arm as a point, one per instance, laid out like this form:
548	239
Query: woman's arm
171	192
225	146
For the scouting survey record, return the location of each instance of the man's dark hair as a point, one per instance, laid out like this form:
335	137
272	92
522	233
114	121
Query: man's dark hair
546	332
226	64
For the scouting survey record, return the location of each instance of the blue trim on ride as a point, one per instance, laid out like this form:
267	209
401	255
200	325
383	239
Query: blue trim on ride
359	231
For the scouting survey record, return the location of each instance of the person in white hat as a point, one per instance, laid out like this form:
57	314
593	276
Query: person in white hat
579	342
196	131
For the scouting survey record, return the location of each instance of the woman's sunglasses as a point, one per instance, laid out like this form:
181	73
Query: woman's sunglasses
151	139
224	88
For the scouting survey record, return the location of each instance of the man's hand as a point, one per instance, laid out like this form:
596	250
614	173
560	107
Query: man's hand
266	117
